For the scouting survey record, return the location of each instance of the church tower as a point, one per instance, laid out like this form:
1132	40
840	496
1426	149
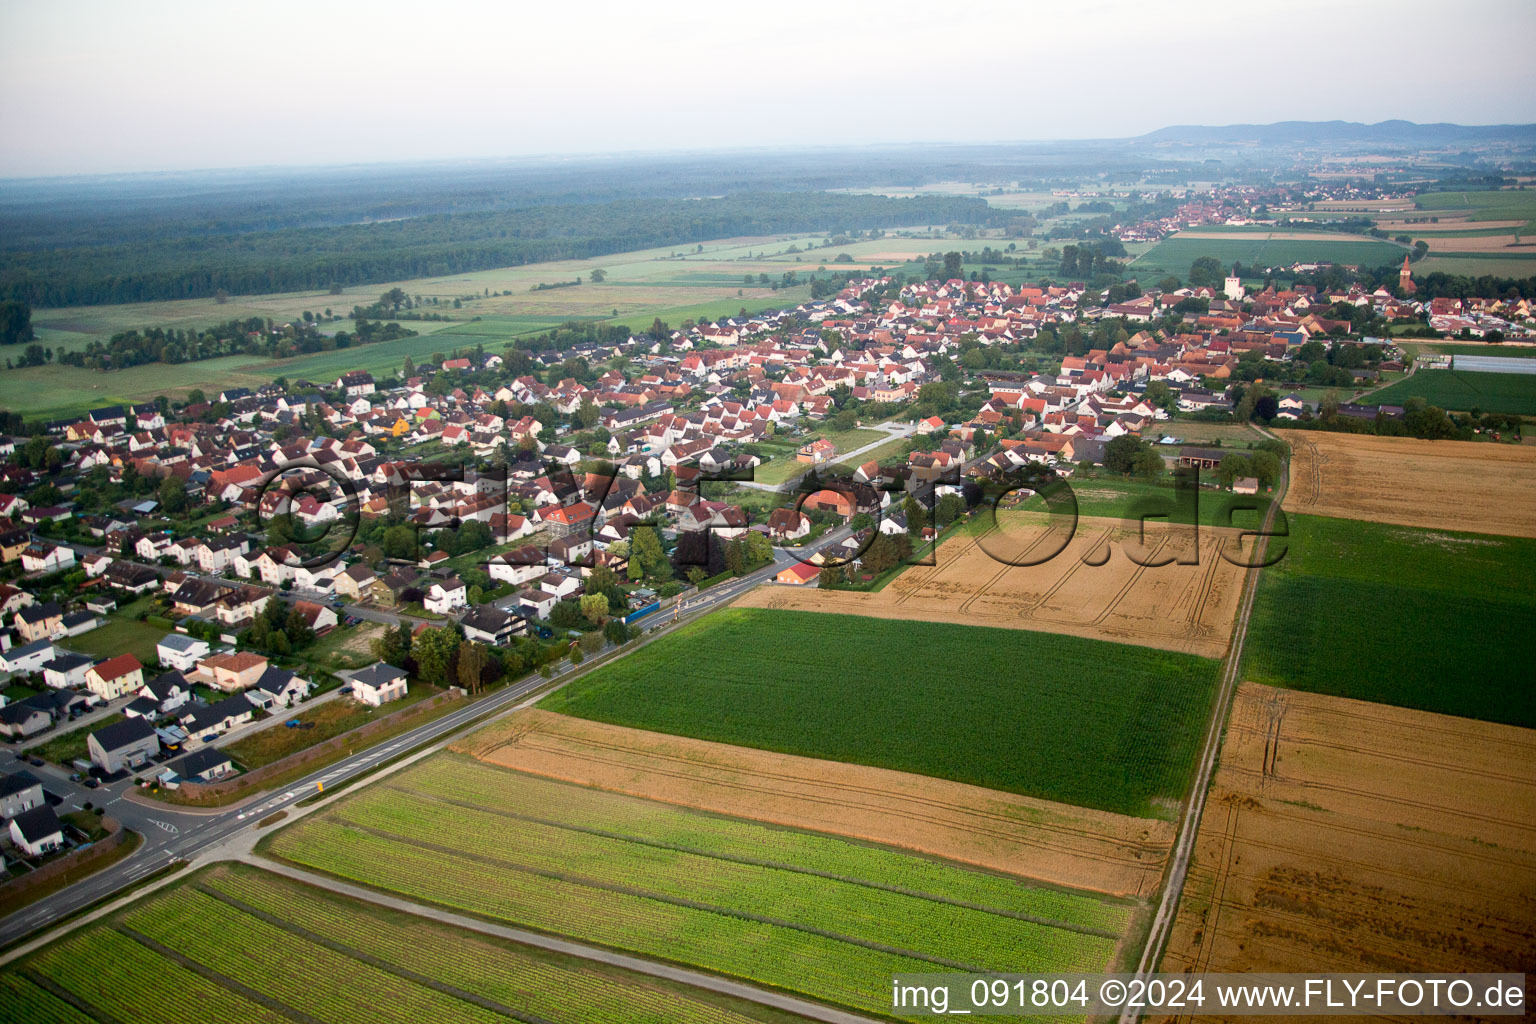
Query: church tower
1405	278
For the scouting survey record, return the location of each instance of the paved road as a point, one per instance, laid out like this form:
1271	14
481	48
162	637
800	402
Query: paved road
178	833
1189	825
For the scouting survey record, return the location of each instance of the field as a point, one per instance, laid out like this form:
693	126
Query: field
1434	620
1108	726
1345	836
1048	842
1462	390
1187	608
1450	485
119	635
1482	206
812	914
1173	255
237	944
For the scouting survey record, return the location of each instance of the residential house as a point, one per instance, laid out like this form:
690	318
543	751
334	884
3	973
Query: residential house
181	652
37	831
378	684
277	687
169	691
126	744
43	557
67	670
40	621
19	791
488	624
28	658
233	671
204	765
115	677
206	722
22	720
445	596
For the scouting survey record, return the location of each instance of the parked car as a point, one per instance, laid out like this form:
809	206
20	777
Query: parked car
35	762
545	632
91	783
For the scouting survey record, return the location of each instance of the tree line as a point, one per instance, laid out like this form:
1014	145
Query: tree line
141	269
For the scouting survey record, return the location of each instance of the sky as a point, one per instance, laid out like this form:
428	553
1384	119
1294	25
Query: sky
92	86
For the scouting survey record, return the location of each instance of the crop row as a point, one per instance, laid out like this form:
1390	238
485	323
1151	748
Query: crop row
487	786
307	977
956	934
124	979
21	1000
813	965
478	966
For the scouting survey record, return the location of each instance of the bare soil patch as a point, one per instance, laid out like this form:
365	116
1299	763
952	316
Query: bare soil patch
1347	836
1175	607
1447	485
1050	842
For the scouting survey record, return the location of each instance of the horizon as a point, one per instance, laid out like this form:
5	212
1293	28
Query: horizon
105	90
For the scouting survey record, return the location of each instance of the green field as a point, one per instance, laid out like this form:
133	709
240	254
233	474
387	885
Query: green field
236	944
119	635
1503	205
1461	390
809	913
1423	619
1174	255
1080	721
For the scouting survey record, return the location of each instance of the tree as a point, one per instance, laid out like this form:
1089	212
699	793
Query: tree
1120	453
1147	464
645	550
954	264
394	298
472	662
1207	271
435	650
588	415
599	275
392	645
697	575
173	495
831	577
15	322
595	608
567	615
617	632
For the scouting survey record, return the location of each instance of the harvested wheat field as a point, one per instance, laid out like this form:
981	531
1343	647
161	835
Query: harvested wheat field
1090	589
1347	836
1049	842
1447	485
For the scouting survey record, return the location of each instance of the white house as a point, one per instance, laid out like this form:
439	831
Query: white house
445	596
37	831
182	653
378	684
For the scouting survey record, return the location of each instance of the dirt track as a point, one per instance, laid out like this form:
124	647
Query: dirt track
1348	836
1053	843
1446	485
1175	607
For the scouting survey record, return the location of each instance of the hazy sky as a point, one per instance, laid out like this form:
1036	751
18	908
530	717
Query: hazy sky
108	85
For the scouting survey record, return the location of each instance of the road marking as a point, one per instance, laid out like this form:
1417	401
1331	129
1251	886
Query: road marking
165	826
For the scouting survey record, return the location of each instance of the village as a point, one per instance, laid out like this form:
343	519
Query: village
532	505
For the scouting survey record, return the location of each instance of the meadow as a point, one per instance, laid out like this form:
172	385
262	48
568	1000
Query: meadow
1462	390
808	913
119	635
1426	619
1079	721
1175	254
206	949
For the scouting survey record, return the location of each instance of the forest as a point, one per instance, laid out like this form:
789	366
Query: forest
296	259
